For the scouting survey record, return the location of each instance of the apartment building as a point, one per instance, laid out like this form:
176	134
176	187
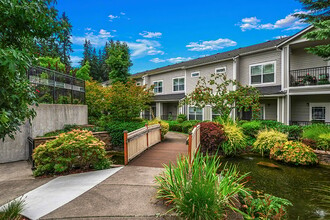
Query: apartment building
294	84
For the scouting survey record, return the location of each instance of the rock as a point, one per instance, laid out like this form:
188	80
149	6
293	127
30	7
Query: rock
267	164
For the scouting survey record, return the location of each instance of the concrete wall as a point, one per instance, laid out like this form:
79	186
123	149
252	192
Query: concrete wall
49	118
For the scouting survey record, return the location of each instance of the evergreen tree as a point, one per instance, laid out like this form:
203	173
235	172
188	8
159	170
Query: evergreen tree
318	14
94	73
118	61
87	52
65	43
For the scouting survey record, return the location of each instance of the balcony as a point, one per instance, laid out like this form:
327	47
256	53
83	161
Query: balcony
310	76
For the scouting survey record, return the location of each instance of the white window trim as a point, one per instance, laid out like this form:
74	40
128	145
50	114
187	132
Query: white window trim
188	113
153	83
181	77
195	76
222	67
319	104
258	64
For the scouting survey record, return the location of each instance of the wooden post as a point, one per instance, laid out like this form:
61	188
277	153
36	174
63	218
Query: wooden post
125	148
189	146
160	130
147	134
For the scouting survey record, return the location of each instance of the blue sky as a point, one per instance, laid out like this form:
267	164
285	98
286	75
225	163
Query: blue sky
161	33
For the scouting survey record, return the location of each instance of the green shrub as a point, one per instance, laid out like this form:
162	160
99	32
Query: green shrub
323	142
212	136
313	131
270	124
184	127
267	139
266	207
196	191
69	127
236	140
295	153
164	126
71	150
294	131
116	130
251	128
183	117
179	120
12	210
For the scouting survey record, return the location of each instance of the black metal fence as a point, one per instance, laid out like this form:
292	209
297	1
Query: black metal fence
310	76
53	87
304	123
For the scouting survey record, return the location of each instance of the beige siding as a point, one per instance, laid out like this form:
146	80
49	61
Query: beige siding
206	71
300	105
208	113
300	59
167	80
246	61
270	108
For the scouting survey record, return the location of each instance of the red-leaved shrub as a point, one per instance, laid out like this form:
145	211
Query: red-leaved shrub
309	142
212	135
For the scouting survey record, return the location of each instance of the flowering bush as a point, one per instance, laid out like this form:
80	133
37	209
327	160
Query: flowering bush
212	135
267	139
164	126
77	149
295	153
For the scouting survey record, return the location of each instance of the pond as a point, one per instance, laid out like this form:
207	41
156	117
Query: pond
296	184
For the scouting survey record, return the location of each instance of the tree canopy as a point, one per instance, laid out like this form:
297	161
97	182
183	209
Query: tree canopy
218	92
23	24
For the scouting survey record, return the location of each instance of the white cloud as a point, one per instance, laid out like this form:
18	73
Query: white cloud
122	13
157	60
112	17
211	45
148	34
144	47
75	60
281	36
88	29
171	60
97	40
288	23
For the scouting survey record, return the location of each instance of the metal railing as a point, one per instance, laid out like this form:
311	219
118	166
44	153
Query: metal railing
53	87
310	76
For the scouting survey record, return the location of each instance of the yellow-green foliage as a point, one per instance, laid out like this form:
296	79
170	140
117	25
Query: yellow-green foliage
267	139
164	125
69	151
295	153
236	140
323	142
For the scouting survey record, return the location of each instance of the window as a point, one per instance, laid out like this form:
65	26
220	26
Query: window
220	70
318	113
158	87
178	84
262	73
215	114
195	113
138	84
195	74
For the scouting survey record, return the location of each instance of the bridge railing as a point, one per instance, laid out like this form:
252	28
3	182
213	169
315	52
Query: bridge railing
138	141
194	142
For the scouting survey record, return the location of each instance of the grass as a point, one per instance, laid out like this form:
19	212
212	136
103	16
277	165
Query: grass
12	211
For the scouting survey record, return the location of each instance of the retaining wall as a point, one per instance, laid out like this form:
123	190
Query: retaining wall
49	117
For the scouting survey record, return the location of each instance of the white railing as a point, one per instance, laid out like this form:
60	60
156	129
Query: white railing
194	142
137	141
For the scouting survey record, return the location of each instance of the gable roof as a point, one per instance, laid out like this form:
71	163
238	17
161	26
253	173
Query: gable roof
295	36
215	58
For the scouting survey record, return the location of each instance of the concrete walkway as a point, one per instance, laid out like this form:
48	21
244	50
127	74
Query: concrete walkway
167	151
128	194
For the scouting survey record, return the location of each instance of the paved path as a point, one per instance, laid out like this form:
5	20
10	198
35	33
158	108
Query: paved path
164	152
128	194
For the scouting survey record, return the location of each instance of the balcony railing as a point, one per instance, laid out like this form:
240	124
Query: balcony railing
310	76
304	123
